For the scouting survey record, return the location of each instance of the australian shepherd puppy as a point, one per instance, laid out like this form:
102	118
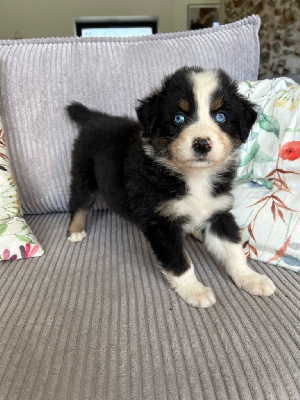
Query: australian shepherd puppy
170	173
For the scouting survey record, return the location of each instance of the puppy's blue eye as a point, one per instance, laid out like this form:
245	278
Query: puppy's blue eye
179	119
220	118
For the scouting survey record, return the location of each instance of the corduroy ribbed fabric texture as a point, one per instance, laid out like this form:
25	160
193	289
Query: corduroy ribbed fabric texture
96	320
39	77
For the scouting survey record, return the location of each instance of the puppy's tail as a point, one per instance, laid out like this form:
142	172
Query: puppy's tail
79	113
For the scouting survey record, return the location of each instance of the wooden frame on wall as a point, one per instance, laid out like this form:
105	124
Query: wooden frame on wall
201	16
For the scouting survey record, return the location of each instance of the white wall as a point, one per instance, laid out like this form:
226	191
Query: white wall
46	18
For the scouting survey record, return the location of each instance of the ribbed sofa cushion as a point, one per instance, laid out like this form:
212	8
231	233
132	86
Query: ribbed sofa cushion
96	320
39	77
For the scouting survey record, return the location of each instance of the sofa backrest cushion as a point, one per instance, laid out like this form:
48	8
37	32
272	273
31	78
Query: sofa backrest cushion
39	77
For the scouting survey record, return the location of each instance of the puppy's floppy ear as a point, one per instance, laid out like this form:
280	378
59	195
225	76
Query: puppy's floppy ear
247	117
147	114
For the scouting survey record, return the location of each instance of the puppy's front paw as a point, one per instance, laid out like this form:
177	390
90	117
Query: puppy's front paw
259	285
197	295
77	236
191	290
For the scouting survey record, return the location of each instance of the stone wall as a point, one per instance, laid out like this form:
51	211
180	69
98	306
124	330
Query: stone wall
279	32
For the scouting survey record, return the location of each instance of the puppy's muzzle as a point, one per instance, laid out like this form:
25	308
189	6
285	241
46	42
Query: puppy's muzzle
201	146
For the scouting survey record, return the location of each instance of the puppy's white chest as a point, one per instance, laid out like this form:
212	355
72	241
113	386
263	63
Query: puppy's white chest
198	205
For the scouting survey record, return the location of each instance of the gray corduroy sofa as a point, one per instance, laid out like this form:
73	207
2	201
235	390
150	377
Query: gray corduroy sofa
96	320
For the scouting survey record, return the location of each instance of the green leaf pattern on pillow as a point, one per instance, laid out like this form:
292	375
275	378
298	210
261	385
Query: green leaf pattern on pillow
269	124
250	155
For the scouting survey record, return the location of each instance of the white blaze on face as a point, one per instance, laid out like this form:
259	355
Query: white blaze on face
204	127
205	84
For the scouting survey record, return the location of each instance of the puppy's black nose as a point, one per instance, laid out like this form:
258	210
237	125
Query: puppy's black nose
201	146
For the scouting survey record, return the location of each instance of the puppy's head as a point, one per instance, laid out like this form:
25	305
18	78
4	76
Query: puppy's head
197	119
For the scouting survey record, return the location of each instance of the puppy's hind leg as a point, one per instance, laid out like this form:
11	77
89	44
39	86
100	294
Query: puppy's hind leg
83	195
80	203
177	267
76	232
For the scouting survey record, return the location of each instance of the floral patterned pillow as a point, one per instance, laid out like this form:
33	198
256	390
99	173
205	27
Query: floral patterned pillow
270	223
9	199
275	137
16	237
267	206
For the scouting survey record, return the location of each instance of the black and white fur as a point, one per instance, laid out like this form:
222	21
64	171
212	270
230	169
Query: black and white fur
171	172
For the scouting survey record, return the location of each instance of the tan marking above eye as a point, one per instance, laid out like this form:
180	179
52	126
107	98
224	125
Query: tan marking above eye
217	103
184	105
